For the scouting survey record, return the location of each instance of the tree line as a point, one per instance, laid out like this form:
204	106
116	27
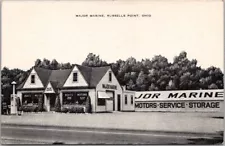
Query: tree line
144	75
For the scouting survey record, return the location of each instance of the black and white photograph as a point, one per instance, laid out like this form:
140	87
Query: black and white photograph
112	72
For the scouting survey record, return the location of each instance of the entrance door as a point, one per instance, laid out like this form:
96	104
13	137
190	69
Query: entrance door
52	98
118	101
111	95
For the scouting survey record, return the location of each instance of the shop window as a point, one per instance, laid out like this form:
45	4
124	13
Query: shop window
35	100
26	100
125	99
101	101
32	79
74	98
31	98
69	100
75	79
132	100
110	76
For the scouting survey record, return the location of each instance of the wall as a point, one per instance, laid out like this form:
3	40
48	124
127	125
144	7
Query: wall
46	103
118	90
129	106
80	81
180	101
37	84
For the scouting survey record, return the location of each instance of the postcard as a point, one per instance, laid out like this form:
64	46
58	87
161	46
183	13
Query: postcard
112	72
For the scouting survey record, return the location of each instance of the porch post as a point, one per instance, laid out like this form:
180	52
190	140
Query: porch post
46	103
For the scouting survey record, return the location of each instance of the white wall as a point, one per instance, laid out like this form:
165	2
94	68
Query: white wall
46	103
128	106
19	94
80	82
105	80
37	84
49	88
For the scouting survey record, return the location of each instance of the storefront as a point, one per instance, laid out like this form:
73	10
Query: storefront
74	87
54	90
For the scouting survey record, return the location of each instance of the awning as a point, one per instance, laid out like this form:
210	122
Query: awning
102	95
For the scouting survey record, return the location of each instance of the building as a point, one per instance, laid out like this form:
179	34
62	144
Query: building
73	86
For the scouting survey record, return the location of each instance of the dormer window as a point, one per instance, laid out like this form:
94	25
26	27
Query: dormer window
32	79
110	76
75	77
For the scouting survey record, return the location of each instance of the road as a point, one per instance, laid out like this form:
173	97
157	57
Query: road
14	134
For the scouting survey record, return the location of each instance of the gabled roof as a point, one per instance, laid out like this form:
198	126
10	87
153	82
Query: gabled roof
86	72
93	75
57	78
54	85
97	74
43	74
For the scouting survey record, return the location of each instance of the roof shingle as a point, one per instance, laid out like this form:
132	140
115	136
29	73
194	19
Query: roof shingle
57	78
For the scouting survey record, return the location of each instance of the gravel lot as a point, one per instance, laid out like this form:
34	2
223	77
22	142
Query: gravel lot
151	121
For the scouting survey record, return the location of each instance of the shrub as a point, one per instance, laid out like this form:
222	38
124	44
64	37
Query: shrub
40	104
57	104
64	110
88	105
30	108
73	108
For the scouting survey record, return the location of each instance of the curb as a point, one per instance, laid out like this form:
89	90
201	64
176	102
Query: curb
115	129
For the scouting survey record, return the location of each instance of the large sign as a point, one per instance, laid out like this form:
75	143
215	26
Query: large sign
30	95
179	95
107	86
193	100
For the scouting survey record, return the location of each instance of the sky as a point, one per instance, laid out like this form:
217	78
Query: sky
52	30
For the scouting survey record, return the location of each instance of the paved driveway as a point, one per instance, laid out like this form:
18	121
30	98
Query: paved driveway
150	121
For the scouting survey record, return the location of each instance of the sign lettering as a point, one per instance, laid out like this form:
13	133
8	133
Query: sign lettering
175	105
107	86
179	95
49	89
82	94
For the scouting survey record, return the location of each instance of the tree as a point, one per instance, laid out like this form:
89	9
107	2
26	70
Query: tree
141	81
213	86
66	66
37	63
131	85
57	104
153	87
9	75
93	60
54	65
40	104
45	63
